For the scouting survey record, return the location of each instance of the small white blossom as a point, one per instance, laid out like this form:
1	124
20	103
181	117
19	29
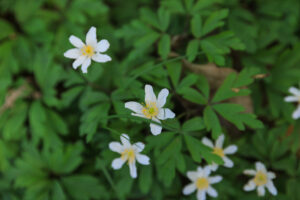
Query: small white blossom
220	151
153	109
262	178
130	153
295	98
84	53
201	181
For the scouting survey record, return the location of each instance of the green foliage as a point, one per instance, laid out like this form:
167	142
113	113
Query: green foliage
56	123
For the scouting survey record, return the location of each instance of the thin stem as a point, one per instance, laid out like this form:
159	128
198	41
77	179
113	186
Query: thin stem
109	179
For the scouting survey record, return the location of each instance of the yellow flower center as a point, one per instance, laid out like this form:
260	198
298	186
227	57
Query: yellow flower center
260	178
202	183
150	110
219	152
88	50
128	154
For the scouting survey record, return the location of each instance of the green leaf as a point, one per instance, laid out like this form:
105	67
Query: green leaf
187	82
194	124
212	122
198	150
145	179
196	25
91	118
192	50
164	46
58	192
193	96
203	85
6	29
174	71
214	21
225	90
83	187
164	19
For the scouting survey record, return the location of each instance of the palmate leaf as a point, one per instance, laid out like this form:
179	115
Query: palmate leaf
212	122
167	161
214	21
233	81
218	45
199	150
91	118
234	114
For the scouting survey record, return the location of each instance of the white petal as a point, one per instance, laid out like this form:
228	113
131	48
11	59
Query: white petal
250	186
132	169
270	186
192	175
215	179
117	163
189	189
72	53
251	172
149	94
139	115
102	46
155	129
294	91
165	113
260	167
212	192
201	195
79	61
76	41
206	170
291	99
207	142
230	149
134	106
91	37
296	113
227	162
85	65
220	141
116	147
162	97
261	191
214	167
101	58
139	146
125	140
200	170
271	175
143	159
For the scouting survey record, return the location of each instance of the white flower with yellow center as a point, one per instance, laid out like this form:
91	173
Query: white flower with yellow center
220	151
129	153
153	109
294	98
84	53
262	178
201	181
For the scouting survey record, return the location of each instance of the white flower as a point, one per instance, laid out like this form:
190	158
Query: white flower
130	153
220	151
153	109
294	98
84	53
201	181
262	178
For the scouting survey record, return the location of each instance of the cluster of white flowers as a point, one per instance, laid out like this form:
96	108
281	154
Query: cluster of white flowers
154	111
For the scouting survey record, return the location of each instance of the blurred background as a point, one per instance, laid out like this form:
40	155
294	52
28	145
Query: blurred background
56	123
